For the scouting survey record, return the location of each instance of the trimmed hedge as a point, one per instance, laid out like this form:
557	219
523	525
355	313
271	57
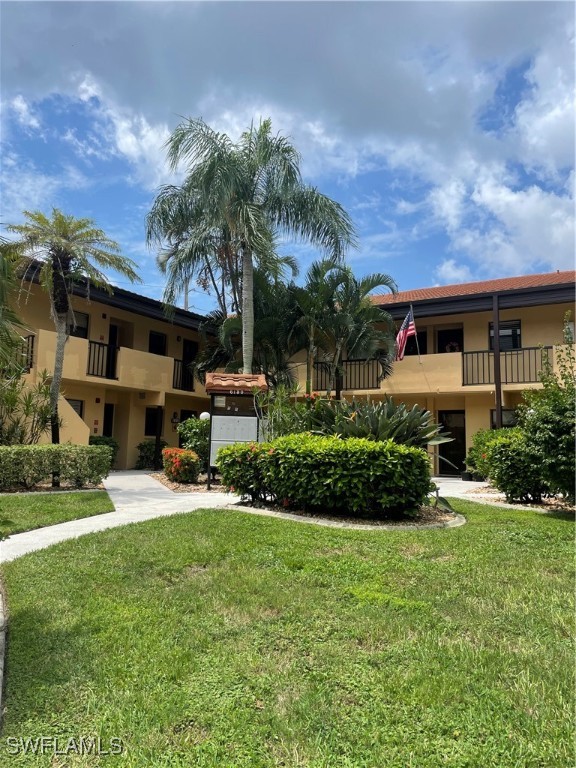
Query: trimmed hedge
111	442
27	465
181	465
312	472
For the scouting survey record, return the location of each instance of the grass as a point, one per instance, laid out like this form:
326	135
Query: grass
27	511
222	640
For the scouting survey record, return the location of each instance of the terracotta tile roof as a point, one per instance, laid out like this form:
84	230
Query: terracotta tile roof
484	286
239	382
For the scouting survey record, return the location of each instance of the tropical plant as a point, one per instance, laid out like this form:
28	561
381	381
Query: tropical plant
61	251
24	409
384	420
10	325
357	326
181	465
315	306
247	193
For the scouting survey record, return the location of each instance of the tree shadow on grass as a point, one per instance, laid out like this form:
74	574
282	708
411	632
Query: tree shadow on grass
43	658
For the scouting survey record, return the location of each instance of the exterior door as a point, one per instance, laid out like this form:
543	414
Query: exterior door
108	424
189	352
452	454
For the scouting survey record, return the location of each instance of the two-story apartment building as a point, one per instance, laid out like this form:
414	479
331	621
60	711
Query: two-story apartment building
125	366
451	366
126	373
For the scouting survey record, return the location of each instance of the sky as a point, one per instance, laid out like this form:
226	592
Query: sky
445	129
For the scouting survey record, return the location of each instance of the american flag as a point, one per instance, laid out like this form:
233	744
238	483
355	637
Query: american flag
407	329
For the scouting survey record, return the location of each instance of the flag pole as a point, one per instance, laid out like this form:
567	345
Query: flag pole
416	334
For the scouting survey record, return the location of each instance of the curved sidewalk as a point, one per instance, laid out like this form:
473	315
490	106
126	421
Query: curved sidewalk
136	497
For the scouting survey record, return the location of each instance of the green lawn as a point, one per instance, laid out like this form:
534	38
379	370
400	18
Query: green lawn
27	511
227	640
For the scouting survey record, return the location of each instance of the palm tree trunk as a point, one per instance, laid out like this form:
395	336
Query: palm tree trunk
334	370
310	361
247	310
61	339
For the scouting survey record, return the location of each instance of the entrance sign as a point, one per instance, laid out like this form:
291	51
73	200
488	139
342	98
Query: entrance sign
233	418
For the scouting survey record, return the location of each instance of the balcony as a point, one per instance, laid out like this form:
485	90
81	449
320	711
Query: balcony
517	366
101	360
357	375
182	377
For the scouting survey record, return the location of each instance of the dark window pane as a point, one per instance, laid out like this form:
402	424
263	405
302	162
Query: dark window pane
77	405
411	346
81	323
157	343
510	337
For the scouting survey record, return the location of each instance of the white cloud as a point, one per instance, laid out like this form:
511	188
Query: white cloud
25	116
26	188
448	271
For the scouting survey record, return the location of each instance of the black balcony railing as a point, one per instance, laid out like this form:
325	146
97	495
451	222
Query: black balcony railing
183	377
356	375
517	366
102	360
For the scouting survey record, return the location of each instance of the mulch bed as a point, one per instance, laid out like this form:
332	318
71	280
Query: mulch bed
199	487
427	515
552	504
47	488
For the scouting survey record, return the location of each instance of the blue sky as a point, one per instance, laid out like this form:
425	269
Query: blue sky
445	129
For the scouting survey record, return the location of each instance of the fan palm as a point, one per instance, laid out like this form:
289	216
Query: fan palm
253	191
61	251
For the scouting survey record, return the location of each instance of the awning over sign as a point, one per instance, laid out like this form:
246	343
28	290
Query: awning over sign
236	383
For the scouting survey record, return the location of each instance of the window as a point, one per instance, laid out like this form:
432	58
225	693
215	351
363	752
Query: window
412	347
509	418
509	335
79	325
151	420
157	343
77	405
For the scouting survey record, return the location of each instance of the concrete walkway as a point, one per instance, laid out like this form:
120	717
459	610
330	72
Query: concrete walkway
137	496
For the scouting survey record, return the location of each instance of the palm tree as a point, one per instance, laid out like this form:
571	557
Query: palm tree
253	191
62	251
315	307
10	324
358	326
274	344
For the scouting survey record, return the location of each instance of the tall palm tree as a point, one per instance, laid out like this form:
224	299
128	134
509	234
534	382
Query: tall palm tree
253	189
61	251
357	326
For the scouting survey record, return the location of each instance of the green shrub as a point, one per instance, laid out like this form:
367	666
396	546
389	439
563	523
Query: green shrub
547	419
146	451
195	434
327	474
27	465
514	469
478	458
111	442
181	465
24	408
241	470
